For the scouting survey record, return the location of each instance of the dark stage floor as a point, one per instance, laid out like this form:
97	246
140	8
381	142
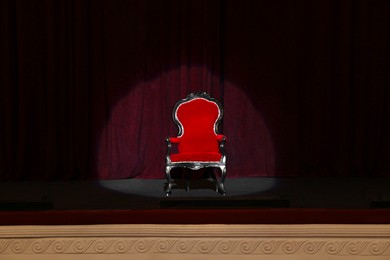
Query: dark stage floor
141	194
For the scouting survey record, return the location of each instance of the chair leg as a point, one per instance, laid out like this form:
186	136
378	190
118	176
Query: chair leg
214	179
188	179
222	181
169	180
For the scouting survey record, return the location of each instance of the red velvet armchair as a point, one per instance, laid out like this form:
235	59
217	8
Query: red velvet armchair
198	143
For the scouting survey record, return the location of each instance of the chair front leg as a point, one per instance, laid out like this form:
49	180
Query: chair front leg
188	179
169	180
214	179
222	181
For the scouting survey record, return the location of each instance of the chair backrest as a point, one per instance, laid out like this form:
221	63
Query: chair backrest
197	117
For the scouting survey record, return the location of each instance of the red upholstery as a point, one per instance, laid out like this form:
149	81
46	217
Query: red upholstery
198	140
195	157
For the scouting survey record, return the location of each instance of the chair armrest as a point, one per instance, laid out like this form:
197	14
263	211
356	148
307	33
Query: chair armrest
173	140
221	138
168	151
222	141
170	141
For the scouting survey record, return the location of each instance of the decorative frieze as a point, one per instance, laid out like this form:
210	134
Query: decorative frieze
195	246
331	240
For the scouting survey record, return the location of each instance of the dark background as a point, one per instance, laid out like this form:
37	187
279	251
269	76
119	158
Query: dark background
87	87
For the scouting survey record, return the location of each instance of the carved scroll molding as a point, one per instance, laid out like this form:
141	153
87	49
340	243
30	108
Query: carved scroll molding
310	240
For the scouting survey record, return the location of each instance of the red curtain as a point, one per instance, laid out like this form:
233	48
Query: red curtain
87	87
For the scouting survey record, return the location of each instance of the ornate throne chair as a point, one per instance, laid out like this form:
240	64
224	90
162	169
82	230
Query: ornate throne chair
198	143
